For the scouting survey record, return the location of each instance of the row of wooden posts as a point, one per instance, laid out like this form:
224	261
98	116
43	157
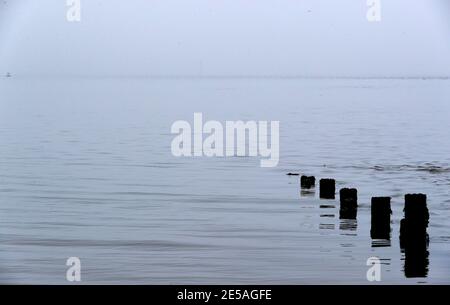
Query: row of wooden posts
412	226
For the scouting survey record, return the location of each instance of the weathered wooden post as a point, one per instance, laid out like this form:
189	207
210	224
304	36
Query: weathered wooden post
380	218
413	235
307	182
414	226
416	211
349	203
327	188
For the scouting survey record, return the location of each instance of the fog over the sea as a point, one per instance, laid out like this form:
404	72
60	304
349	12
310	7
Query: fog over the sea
225	37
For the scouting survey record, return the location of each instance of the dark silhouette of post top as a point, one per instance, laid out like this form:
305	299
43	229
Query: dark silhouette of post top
413	235
381	218
307	182
416	210
327	188
349	203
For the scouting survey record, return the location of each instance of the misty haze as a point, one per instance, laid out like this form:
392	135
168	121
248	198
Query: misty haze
89	173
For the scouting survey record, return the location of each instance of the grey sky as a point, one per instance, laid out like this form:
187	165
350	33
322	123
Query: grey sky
225	37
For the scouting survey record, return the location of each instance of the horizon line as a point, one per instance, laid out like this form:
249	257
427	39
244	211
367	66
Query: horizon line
234	76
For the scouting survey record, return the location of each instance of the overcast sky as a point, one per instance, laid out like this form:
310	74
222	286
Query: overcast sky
225	37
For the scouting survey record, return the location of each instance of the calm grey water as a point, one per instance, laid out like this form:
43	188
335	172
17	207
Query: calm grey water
86	170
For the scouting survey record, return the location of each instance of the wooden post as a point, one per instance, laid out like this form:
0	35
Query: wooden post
307	182
327	188
413	235
349	203
380	218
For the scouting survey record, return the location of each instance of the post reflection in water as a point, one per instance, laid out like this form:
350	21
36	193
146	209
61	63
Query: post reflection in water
327	217
307	192
414	247
348	227
381	243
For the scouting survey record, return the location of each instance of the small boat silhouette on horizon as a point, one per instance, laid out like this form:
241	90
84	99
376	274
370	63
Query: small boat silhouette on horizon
8	74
